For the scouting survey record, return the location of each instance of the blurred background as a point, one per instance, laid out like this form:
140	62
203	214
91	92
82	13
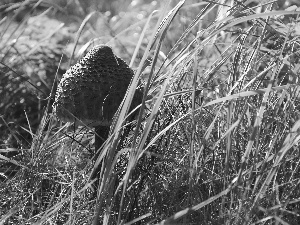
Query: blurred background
37	39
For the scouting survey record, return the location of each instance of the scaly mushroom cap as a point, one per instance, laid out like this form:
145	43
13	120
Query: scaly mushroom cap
93	89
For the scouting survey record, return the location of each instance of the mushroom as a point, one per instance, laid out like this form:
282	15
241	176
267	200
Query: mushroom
91	91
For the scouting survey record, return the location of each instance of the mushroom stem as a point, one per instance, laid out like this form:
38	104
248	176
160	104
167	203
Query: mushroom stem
101	134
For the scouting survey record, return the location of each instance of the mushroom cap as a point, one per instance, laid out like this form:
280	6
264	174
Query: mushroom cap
92	90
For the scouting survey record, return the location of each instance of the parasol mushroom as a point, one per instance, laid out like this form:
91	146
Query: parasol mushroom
91	91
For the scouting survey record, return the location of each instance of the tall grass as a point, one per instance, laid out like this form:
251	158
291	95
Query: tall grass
215	139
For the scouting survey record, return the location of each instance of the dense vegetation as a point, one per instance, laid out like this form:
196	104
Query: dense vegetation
215	139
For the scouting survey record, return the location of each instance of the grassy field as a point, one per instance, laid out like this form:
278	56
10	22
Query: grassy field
215	137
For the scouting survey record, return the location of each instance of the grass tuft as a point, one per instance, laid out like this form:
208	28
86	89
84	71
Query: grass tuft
207	133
